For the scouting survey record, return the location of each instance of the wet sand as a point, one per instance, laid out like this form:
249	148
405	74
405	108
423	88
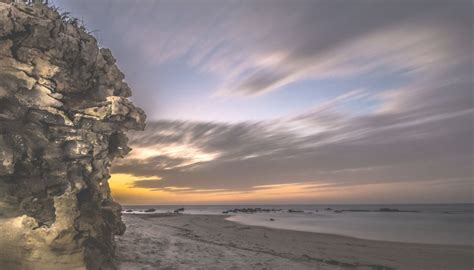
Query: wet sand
160	241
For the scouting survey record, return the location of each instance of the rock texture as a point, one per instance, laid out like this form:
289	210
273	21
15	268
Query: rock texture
64	111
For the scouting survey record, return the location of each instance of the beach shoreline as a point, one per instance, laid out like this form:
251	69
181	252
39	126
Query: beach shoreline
169	241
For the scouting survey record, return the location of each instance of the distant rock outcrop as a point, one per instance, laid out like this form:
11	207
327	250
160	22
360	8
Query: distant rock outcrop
64	110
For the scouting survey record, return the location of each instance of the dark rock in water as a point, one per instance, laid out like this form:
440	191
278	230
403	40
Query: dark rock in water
388	210
151	210
396	210
64	111
393	210
250	210
295	211
129	211
178	210
272	219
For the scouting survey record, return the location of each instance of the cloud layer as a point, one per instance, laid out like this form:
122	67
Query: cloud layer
259	47
403	116
417	135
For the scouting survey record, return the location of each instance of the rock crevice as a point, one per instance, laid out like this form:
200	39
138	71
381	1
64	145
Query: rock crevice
64	111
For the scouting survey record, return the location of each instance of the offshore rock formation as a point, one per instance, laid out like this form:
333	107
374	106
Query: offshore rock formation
63	114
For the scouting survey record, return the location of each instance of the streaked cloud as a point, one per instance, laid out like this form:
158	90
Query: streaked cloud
418	134
257	47
332	97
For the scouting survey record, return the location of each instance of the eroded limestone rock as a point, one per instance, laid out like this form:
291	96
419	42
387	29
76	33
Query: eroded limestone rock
64	111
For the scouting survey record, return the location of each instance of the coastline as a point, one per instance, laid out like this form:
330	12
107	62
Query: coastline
160	241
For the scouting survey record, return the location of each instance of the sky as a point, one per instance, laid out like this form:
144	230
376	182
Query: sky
278	102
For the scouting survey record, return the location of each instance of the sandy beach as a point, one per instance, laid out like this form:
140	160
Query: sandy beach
160	241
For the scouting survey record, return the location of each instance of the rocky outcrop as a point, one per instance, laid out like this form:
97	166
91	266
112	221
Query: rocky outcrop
64	111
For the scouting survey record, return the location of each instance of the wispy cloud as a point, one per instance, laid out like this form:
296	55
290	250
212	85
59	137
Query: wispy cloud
404	114
424	134
255	52
220	53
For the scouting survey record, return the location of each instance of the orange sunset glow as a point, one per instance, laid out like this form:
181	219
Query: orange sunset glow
124	191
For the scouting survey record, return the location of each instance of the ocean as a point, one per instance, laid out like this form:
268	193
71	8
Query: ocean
416	223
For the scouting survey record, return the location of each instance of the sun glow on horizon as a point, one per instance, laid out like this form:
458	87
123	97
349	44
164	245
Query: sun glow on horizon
125	191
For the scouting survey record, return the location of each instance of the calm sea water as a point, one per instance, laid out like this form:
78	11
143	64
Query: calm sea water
433	223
